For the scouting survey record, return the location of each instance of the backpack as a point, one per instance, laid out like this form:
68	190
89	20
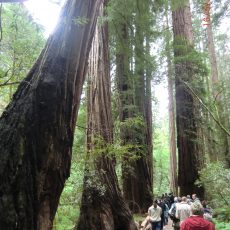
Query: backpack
172	214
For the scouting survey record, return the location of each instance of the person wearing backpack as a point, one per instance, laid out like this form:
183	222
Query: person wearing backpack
172	215
183	210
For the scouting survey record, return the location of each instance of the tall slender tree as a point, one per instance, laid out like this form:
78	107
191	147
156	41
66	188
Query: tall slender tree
171	109
187	137
102	206
36	129
223	141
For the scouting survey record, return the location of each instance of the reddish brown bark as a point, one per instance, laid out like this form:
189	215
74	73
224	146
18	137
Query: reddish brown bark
102	205
189	163
36	129
134	87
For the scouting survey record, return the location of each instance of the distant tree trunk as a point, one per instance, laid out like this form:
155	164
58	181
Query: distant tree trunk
223	150
36	129
171	107
102	206
148	117
189	162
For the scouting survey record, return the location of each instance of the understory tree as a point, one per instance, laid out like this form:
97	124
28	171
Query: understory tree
21	42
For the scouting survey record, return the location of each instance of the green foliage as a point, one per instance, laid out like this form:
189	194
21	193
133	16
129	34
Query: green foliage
80	21
187	54
223	214
161	158
222	9
177	4
69	207
19	48
219	225
216	179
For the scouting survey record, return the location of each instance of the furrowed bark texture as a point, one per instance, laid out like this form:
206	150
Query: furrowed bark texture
36	129
102	207
189	160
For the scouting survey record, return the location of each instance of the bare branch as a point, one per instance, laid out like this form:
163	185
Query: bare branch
9	83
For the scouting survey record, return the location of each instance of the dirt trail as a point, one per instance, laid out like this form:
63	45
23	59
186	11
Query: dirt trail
169	226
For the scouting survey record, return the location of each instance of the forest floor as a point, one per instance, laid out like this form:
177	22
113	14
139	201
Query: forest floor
168	226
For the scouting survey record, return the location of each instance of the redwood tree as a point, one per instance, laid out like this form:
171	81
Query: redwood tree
223	140
36	129
102	205
187	138
133	76
171	109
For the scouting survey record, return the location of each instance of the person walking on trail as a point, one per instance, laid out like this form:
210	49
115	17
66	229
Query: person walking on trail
196	220
172	214
155	216
207	211
189	200
166	213
183	210
162	204
195	198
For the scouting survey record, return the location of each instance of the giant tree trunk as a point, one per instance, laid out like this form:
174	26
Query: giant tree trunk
36	129
137	174
102	205
189	162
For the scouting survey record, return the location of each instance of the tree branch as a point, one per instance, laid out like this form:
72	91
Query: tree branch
9	83
209	111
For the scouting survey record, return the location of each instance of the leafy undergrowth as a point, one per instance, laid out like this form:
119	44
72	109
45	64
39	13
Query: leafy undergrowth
139	218
66	218
221	225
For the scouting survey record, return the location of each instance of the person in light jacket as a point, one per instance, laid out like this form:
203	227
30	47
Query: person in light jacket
155	216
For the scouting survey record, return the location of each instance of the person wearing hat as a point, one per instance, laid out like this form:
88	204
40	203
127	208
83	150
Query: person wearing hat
196	220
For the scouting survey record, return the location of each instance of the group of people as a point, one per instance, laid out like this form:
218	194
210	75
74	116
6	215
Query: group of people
186	213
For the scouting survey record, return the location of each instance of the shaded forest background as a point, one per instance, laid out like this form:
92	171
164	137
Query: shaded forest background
145	51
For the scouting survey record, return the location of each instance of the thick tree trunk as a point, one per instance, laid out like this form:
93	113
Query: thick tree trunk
102	206
137	174
36	129
189	162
